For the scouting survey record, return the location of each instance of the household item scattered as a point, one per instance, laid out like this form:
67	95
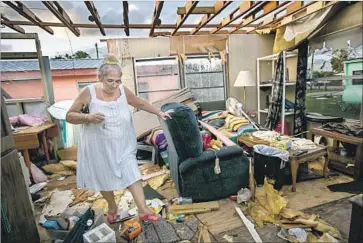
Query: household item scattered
37	175
243	195
244	79
270	162
132	229
102	233
250	226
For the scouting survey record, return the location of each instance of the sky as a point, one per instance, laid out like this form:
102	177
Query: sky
64	41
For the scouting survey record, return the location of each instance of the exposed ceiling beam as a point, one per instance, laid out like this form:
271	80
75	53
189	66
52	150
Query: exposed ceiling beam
61	14
21	9
242	9
125	6
293	8
189	6
181	33
267	8
95	16
156	14
5	21
219	6
197	10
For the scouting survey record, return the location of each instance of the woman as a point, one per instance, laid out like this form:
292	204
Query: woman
107	146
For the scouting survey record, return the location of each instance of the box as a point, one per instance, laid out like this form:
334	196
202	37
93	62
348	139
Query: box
102	233
62	234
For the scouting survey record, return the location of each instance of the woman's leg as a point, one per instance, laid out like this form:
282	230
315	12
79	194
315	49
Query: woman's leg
138	194
110	198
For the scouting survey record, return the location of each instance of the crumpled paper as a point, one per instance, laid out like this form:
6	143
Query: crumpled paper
158	181
243	195
275	201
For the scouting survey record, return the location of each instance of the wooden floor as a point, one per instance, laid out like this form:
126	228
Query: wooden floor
226	221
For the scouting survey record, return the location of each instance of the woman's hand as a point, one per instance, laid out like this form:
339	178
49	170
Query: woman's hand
164	115
95	117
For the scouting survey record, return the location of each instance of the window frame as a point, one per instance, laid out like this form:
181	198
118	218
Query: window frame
84	82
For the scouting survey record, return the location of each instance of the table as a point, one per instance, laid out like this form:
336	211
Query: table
27	138
251	141
338	137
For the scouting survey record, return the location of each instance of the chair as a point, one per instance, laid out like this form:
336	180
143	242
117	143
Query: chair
192	169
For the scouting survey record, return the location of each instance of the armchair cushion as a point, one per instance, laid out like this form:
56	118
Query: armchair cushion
184	131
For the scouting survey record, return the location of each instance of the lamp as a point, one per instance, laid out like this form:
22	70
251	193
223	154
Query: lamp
244	79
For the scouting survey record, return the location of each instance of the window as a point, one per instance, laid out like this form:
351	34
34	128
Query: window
205	78
157	78
82	84
328	92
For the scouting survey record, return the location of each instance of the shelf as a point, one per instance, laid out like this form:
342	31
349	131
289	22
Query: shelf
287	113
270	85
274	57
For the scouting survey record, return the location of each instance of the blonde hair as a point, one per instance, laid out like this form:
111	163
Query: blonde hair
110	63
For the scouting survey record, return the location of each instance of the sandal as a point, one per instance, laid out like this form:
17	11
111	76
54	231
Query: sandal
111	216
150	217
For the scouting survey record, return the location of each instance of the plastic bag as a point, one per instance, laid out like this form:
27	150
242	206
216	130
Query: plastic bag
270	151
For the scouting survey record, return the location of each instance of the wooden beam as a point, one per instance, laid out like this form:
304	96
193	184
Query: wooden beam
125	6
24	11
96	17
118	26
267	9
218	7
291	9
62	15
294	6
197	10
189	6
181	33
157	10
244	8
17	36
19	55
5	21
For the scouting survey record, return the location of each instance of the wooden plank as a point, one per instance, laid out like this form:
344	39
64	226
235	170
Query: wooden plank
33	130
189	6
157	10
219	6
16	202
294	6
96	17
218	134
7	141
214	205
18	55
250	226
17	28
197	10
270	6
125	14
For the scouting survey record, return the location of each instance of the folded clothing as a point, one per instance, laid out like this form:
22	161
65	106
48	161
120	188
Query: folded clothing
349	130
27	120
157	138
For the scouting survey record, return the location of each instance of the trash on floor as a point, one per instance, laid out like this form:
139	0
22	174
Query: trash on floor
158	181
59	202
243	195
131	229
193	208
293	235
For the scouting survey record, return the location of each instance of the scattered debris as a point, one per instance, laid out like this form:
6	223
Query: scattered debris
250	226
68	153
293	235
69	163
59	202
243	195
37	187
37	175
193	208
152	175
158	181
228	238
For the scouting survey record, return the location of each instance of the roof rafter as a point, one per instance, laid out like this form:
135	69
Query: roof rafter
5	21
243	8
96	17
268	7
157	10
189	6
24	11
62	15
291	9
197	10
219	6
125	6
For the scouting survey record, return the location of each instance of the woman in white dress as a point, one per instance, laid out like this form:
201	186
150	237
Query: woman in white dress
107	145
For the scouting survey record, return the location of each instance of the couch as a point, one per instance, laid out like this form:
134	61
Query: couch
192	169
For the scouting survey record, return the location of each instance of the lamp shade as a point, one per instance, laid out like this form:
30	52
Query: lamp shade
244	79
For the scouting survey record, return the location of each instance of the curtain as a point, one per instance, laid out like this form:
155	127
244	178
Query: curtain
300	91
274	111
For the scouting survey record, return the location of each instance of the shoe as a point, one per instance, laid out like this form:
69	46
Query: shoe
111	216
150	217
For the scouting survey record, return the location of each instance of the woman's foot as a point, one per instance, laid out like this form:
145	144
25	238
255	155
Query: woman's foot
111	216
149	216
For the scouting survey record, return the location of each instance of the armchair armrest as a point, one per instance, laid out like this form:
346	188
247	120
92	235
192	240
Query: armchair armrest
207	157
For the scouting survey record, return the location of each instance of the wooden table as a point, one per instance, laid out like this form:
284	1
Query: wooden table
338	137
27	138
251	141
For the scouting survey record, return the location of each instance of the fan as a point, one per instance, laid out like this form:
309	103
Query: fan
236	108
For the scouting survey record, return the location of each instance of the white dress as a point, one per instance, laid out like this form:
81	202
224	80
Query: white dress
107	151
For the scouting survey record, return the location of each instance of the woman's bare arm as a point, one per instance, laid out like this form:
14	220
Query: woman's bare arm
74	115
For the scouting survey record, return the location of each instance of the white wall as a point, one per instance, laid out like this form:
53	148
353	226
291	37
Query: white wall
243	51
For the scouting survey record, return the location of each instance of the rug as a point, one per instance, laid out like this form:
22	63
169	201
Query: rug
355	187
164	231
